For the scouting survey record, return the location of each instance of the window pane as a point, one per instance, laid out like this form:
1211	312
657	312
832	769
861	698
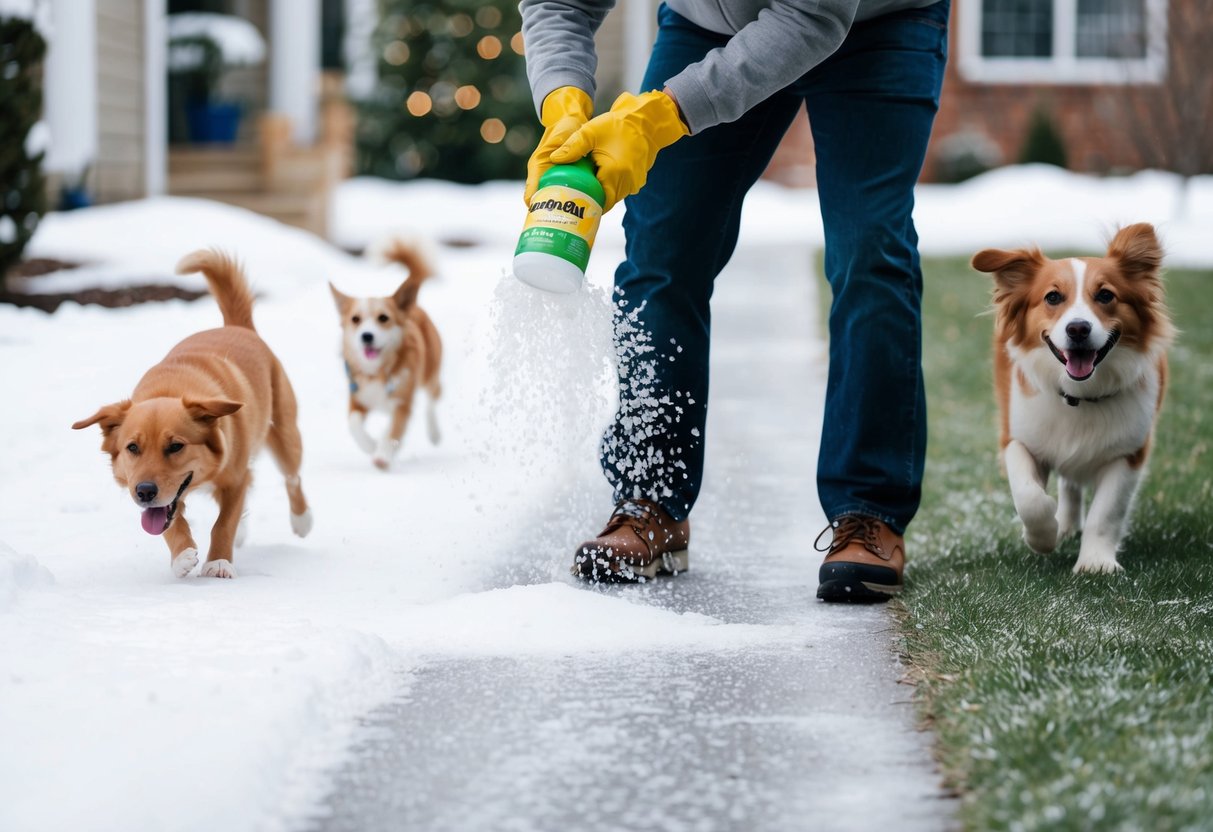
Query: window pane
1111	29
1017	28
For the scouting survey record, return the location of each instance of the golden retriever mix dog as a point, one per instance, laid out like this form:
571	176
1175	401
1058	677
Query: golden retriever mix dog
198	418
1080	370
391	347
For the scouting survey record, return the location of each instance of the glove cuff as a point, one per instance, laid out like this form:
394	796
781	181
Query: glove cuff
566	101
659	112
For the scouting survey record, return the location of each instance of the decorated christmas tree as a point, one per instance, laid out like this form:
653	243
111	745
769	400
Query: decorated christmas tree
452	100
22	187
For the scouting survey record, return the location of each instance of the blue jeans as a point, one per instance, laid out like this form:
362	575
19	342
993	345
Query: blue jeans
871	105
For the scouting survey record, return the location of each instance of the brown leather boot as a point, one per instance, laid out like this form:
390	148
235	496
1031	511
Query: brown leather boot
639	542
865	561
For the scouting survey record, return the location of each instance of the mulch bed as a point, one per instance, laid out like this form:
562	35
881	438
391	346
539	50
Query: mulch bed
111	298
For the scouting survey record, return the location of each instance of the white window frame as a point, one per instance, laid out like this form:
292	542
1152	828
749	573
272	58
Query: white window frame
1063	66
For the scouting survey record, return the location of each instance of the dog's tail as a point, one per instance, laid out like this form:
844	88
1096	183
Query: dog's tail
410	254
226	278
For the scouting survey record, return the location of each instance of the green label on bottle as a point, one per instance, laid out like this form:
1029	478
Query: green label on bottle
563	244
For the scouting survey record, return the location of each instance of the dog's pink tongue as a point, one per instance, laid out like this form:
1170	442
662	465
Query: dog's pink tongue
155	520
1080	363
371	352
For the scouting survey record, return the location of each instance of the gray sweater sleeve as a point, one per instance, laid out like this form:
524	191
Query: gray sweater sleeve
559	38
782	44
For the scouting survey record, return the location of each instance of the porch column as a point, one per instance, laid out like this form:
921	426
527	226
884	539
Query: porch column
295	64
70	92
155	92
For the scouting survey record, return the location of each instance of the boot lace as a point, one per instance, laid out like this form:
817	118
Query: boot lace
636	515
849	529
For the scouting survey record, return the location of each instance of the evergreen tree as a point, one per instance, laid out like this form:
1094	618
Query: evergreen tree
452	101
1043	144
22	186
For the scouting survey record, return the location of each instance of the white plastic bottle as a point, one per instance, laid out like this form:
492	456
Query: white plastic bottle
562	221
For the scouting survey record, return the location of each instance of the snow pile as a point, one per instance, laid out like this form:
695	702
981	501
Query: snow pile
141	242
1011	206
1060	211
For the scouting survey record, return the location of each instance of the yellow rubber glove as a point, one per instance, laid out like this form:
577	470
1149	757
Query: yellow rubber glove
564	110
624	142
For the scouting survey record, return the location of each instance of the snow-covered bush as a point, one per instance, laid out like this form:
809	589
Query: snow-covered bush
22	186
965	154
202	45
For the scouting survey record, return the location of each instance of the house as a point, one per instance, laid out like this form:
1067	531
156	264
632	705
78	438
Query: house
1094	69
106	103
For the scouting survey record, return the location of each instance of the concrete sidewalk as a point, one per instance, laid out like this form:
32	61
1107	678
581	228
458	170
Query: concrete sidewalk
819	737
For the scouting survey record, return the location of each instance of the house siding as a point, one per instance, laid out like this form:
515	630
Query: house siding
118	172
1085	115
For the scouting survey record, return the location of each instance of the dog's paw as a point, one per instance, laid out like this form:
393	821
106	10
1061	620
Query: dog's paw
218	569
385	452
184	562
1040	523
301	524
1097	566
1041	536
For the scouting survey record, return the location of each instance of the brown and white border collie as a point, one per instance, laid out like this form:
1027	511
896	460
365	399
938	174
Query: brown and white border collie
391	347
1080	369
198	418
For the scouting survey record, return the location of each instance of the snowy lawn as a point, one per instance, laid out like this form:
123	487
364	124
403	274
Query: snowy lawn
1064	702
133	700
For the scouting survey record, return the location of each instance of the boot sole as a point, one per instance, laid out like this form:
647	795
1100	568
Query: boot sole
592	570
856	583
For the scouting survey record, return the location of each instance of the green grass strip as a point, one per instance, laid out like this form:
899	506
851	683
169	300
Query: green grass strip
1063	702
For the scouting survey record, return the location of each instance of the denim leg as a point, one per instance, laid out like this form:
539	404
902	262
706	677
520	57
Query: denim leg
681	229
871	106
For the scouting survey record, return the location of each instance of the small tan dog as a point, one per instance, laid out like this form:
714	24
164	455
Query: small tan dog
391	347
1080	370
198	418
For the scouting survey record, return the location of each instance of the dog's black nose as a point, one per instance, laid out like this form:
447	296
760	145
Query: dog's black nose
368	338
1078	330
146	491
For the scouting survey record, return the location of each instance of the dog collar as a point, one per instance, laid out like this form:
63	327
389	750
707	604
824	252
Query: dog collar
389	388
1073	401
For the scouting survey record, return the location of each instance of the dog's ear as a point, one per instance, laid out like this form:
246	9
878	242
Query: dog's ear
110	417
1010	268
343	301
1136	250
406	295
208	410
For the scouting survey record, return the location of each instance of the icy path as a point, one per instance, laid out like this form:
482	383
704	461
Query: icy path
801	727
422	660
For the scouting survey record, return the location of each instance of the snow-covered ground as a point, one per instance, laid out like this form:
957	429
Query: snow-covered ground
132	700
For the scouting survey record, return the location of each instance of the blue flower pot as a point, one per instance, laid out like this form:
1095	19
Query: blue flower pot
213	123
